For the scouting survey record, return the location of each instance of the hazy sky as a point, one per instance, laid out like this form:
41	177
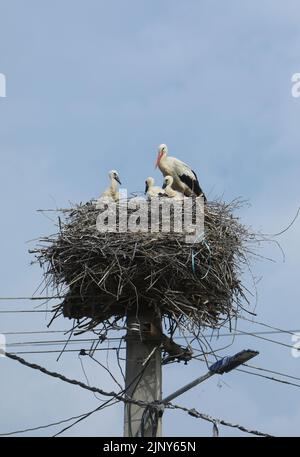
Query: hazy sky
97	85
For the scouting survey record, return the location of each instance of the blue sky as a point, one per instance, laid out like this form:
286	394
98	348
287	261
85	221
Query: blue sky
98	85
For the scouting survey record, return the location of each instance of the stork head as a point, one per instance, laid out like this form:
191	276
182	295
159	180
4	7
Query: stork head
113	174
149	183
168	181
162	152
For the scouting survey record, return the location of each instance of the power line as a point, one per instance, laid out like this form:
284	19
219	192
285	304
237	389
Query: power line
80	417
194	413
71	381
66	350
53	297
34	332
107	404
52	424
119	397
260	375
266	339
268	332
56	342
237	332
269	377
196	358
105	368
114	348
137	378
10	311
266	325
41	426
272	371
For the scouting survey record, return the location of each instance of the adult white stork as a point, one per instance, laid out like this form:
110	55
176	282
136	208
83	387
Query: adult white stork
151	190
168	189
112	190
185	179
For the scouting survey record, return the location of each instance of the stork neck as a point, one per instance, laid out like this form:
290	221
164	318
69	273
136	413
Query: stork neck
169	189
163	159
113	185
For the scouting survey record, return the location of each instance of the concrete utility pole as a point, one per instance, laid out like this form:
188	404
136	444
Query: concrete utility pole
143	379
143	371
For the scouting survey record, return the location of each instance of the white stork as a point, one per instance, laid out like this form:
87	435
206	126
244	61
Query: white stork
185	179
168	189
112	190
151	190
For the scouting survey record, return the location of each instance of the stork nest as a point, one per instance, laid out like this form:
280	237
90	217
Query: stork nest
103	276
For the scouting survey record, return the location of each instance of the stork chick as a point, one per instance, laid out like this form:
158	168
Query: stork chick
112	190
151	190
168	189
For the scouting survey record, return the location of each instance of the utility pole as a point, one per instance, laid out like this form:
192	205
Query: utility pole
143	377
223	365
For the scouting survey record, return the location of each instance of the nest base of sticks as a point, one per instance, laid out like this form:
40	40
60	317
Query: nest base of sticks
103	276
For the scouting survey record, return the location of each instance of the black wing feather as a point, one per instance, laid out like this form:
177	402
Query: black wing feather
193	184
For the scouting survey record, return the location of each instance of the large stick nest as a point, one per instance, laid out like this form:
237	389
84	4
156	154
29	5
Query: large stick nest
105	275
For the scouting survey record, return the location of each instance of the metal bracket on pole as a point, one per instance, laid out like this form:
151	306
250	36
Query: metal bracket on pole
148	331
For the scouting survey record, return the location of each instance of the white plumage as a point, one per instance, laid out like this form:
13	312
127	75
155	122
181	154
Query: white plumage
112	190
168	189
184	178
151	190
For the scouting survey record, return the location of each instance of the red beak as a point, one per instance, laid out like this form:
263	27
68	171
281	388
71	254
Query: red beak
159	156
